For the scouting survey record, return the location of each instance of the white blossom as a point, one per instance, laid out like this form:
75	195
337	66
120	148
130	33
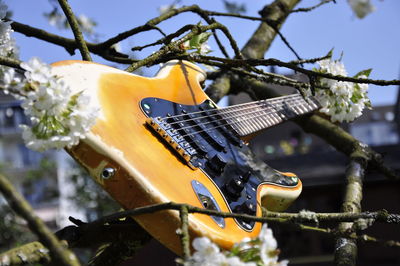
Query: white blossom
87	24
259	251
208	254
59	21
8	47
3	10
59	117
343	101
204	48
165	8
361	7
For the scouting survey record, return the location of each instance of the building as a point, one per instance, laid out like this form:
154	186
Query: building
321	168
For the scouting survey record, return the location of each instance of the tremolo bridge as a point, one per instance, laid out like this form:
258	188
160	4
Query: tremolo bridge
194	133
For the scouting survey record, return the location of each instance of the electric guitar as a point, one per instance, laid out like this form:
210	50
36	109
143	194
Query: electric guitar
162	139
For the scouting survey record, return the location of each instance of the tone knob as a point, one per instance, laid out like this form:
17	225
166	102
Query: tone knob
246	207
217	163
246	176
234	187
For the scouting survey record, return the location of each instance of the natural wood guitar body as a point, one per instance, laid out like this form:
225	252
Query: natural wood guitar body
147	171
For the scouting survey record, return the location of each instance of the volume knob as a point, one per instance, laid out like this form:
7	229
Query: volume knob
217	163
246	207
234	187
246	176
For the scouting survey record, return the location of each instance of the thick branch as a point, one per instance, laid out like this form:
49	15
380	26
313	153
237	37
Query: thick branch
32	254
346	249
258	44
89	235
344	142
315	124
58	252
115	253
262	38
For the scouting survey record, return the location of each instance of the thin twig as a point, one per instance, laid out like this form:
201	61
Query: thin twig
11	62
185	241
70	44
295	67
75	29
308	9
173	47
270	217
378	216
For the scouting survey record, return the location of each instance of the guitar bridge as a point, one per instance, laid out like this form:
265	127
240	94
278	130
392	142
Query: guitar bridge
172	137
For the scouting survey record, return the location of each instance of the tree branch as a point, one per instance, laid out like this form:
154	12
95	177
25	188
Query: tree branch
31	254
10	62
326	130
70	44
308	9
174	47
89	235
346	249
379	216
58	252
184	232
75	29
258	44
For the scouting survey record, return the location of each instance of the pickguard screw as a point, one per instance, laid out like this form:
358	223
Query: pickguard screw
107	173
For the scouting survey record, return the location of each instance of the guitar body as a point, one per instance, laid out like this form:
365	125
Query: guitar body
147	170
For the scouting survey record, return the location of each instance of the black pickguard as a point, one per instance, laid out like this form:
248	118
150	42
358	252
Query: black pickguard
213	146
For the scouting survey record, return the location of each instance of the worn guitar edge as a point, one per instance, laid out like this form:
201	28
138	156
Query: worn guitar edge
95	154
102	156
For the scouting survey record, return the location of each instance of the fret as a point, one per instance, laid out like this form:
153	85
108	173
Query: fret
261	122
302	109
276	118
249	118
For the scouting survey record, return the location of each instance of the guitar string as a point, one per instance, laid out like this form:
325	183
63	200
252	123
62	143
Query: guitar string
222	125
232	109
237	122
272	100
226	110
265	112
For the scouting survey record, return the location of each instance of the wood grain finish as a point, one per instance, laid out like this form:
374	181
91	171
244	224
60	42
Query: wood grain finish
147	171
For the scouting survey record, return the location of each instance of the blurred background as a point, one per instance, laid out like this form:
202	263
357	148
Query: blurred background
56	187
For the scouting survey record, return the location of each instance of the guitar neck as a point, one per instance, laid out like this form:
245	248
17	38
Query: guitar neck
252	117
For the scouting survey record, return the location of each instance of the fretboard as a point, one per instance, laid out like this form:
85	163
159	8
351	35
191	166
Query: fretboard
249	118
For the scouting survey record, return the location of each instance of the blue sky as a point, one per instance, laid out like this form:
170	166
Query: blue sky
372	42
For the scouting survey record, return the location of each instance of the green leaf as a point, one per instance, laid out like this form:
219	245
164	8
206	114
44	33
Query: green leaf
363	73
199	39
330	53
194	42
204	36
